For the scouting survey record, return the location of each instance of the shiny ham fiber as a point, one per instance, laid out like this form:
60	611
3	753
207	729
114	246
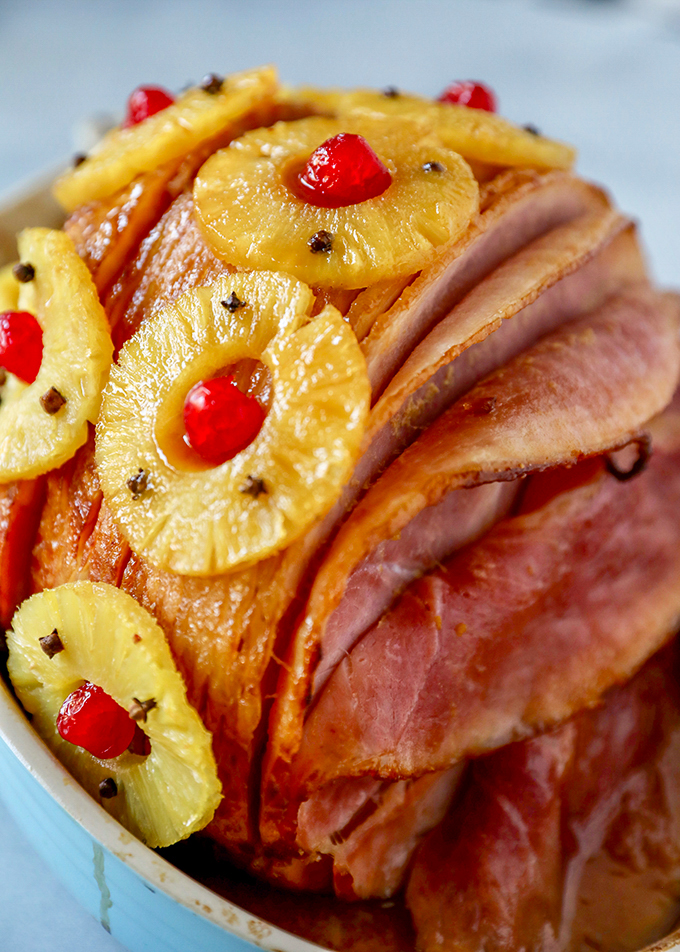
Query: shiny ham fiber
554	834
517	632
172	259
77	537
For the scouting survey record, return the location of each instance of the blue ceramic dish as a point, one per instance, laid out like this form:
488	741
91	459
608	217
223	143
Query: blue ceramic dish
140	898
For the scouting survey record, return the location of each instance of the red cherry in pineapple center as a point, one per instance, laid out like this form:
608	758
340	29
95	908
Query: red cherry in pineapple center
220	420
21	344
146	101
90	718
468	93
343	170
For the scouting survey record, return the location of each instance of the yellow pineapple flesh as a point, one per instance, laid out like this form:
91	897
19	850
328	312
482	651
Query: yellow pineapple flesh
9	289
110	640
77	352
196	116
478	135
197	519
253	218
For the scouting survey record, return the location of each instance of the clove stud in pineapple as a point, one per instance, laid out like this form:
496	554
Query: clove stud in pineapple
342	214
55	343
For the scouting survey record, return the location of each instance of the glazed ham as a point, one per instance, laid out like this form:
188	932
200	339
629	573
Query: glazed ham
348	679
544	824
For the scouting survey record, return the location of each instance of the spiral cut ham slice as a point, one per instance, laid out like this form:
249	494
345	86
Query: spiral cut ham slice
515	633
580	391
553	833
555	279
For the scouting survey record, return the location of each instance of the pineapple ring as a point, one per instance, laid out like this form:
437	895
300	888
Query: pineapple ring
110	640
478	135
195	117
77	353
210	520
253	220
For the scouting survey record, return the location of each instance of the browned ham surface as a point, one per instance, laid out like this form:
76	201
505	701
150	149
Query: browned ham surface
108	231
545	822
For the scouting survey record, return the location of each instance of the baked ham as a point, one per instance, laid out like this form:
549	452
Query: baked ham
542	825
488	573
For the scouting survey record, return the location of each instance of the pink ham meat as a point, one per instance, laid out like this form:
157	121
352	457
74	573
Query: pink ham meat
371	828
517	632
581	391
545	822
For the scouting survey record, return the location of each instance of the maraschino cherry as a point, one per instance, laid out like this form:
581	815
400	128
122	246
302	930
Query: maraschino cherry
465	92
220	420
343	170
146	101
90	718
21	344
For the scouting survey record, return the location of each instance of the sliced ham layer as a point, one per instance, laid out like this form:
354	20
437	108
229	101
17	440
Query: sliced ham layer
172	259
580	391
517	208
372	828
568	272
545	822
518	631
107	232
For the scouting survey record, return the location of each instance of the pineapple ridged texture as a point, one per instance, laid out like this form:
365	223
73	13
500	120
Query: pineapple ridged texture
111	641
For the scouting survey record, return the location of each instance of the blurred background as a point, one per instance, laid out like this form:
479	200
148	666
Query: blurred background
601	74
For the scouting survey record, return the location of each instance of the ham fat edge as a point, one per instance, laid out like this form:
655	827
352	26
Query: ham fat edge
340	676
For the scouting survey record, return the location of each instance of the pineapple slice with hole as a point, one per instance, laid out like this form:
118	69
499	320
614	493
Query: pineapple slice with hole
77	353
478	135
192	518
113	642
253	219
193	119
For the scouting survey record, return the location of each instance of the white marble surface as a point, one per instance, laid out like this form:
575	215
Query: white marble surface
604	75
